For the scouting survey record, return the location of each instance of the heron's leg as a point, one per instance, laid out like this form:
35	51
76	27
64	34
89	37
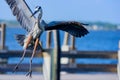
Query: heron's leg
34	50
25	47
22	58
40	46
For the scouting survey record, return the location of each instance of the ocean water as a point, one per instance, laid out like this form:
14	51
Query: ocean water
95	40
102	40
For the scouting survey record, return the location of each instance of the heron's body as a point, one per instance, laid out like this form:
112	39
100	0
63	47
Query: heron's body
35	26
37	30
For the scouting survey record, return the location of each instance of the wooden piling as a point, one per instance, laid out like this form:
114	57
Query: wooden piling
46	64
118	66
51	66
47	58
48	41
72	48
65	47
55	57
72	43
0	36
2	39
66	39
2	26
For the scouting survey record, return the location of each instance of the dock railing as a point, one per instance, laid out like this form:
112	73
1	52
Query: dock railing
80	67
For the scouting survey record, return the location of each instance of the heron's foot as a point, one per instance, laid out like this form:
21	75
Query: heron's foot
16	68
29	73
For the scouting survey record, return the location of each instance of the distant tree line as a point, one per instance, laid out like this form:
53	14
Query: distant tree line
106	25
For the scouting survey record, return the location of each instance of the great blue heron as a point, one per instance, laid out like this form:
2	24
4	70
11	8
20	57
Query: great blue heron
35	26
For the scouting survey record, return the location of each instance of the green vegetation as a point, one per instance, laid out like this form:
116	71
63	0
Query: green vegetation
103	25
97	25
10	23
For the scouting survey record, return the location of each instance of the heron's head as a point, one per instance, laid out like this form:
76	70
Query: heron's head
37	9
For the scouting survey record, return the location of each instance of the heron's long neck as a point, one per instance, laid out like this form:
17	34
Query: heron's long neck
40	15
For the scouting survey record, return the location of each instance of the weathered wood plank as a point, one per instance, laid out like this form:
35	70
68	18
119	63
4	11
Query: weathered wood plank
69	54
18	53
91	68
79	68
22	68
90	54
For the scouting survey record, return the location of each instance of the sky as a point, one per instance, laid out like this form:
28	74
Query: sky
78	10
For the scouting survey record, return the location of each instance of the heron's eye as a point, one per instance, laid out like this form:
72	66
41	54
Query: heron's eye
39	7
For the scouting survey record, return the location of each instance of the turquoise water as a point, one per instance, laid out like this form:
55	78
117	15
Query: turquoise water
95	40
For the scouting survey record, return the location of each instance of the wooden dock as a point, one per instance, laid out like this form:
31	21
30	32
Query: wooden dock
54	66
83	76
6	67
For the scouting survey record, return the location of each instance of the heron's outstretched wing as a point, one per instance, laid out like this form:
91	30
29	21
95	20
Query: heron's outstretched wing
22	12
74	28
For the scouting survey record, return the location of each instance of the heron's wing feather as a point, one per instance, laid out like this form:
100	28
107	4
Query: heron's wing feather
22	12
74	28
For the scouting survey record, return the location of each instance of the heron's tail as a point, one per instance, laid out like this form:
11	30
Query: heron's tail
20	39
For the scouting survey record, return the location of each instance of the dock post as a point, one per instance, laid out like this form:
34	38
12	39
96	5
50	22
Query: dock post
55	57
48	39
66	38
118	66
47	58
72	43
72	48
51	65
47	64
65	47
2	26
2	41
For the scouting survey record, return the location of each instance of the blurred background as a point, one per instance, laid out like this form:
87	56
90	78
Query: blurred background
103	17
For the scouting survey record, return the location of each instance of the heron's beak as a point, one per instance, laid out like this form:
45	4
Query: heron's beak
33	13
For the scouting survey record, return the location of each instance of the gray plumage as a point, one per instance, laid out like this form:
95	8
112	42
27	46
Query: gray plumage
23	14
